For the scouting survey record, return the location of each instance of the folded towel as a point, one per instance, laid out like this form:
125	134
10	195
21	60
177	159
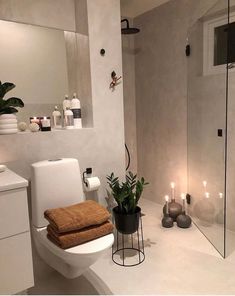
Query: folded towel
74	238
77	216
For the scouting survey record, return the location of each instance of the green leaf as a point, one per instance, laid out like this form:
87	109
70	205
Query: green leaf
14	102
128	193
8	110
5	87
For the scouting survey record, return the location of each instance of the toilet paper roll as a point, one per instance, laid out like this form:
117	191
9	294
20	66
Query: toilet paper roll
93	183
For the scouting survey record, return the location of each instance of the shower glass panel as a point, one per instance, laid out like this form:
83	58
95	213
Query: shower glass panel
207	121
230	197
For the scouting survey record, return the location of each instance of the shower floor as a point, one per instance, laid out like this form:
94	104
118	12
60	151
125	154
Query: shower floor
178	261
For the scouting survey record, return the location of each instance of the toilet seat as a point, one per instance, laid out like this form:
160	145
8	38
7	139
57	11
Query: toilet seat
89	248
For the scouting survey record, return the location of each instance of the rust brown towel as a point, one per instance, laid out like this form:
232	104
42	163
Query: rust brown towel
77	216
74	238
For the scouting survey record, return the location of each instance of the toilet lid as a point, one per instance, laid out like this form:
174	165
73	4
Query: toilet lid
90	247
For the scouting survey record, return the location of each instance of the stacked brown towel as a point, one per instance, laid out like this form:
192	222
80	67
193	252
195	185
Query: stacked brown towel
74	238
77	224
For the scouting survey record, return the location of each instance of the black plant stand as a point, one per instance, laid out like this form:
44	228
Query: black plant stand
128	246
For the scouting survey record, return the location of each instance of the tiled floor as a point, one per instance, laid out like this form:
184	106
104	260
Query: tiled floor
178	261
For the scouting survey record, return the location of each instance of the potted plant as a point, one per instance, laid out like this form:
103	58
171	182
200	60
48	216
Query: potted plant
127	195
8	121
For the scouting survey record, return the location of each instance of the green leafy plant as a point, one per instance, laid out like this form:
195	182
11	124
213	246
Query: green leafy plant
126	194
8	106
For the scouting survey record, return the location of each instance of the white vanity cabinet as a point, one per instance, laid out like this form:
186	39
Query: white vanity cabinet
16	267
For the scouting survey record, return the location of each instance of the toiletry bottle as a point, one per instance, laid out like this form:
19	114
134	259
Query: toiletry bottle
56	115
76	109
68	119
66	104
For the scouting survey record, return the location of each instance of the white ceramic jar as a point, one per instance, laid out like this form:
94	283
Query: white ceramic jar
8	124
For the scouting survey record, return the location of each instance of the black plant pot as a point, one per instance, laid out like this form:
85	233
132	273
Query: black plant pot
127	223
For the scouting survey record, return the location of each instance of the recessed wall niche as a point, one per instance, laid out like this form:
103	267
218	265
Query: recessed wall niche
45	64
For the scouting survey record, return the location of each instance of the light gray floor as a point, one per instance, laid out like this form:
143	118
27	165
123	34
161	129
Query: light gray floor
178	261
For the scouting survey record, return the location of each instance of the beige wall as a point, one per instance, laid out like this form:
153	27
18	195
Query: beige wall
161	94
101	147
128	61
133	8
49	13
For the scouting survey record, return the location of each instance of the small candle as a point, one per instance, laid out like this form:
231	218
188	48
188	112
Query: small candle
207	194
167	200
46	124
172	191
34	119
204	184
220	195
183	199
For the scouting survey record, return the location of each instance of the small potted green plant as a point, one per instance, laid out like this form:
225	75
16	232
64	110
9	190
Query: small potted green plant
8	121
127	195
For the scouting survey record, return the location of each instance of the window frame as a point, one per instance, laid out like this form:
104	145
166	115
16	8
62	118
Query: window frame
209	43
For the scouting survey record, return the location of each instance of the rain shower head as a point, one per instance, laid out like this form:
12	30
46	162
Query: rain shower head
129	30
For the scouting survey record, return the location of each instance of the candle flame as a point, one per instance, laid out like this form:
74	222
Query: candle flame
204	183
220	195
172	185
183	196
166	198
207	194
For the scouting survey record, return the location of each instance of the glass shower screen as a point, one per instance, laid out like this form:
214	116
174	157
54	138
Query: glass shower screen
207	122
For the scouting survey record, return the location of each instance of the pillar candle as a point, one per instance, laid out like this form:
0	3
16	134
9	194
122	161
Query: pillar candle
167	207
172	191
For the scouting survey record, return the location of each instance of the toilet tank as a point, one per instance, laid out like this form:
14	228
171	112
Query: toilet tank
54	183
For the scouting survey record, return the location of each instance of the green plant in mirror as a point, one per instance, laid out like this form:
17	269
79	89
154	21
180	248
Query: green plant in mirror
128	193
8	106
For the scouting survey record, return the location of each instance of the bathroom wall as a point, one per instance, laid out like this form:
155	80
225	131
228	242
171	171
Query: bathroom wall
101	147
161	94
132	8
128	62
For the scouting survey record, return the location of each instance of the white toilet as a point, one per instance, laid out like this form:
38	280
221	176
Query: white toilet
58	183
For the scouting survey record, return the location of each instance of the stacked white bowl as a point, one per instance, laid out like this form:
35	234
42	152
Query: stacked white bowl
8	124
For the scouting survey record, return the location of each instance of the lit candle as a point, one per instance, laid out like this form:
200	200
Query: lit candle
34	119
46	124
167	207
173	191
183	199
207	194
204	184
220	195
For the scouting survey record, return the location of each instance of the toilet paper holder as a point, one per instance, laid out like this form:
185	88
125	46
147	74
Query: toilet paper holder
88	171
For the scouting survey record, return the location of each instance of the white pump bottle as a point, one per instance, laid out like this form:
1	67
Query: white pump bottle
76	109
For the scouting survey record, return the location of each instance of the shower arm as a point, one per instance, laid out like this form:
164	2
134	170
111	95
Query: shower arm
127	23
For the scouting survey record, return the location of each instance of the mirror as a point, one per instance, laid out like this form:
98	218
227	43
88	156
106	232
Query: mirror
43	63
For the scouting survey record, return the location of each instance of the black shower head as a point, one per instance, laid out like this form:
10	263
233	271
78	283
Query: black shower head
129	30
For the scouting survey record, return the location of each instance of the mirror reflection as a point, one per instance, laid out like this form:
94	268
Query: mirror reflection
41	62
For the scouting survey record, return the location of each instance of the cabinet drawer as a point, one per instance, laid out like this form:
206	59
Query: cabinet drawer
14	216
16	268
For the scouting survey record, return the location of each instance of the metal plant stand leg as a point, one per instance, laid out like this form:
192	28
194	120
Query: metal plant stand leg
129	243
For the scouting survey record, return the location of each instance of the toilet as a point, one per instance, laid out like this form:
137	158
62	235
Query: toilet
57	183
